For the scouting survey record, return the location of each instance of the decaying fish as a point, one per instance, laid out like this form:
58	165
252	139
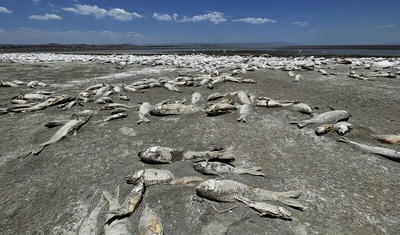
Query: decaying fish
31	97
151	176
342	127
164	109
389	139
112	117
171	87
245	111
196	98
115	225
87	112
384	152
267	209
215	96
223	107
45	104
243	97
323	129
270	103
144	111
164	155
70	127
330	117
150	223
89	225
95	87
118	110
225	190
117	105
303	108
132	202
220	168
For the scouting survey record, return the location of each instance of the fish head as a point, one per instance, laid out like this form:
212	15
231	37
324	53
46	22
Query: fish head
152	155
199	166
131	179
205	187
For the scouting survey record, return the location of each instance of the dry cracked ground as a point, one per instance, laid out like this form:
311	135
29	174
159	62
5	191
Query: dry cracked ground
345	190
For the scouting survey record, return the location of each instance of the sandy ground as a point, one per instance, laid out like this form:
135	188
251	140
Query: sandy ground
345	190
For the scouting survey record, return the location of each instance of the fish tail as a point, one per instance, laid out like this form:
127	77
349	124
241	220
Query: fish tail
252	171
143	119
242	118
343	139
288	198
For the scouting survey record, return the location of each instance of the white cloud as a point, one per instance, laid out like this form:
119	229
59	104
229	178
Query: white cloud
4	10
159	16
212	16
314	29
36	1
45	17
175	16
251	20
301	23
100	13
386	26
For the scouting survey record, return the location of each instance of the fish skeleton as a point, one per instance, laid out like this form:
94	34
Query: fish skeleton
132	202
150	223
384	152
225	190
144	110
330	117
115	225
266	209
89	225
70	127
245	110
218	168
164	155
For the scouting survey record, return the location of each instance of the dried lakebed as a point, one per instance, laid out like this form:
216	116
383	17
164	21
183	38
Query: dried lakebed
345	190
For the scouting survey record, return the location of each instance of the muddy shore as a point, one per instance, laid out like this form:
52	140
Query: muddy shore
345	190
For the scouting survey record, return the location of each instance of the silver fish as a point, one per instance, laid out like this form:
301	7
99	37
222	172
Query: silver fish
303	108
384	152
225	190
115	225
144	111
45	104
151	176
131	203
329	117
196	98
150	223
70	127
31	97
95	87
220	168
389	139
266	209
173	109
245	111
89	225
164	155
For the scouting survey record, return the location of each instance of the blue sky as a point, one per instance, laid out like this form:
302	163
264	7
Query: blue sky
200	21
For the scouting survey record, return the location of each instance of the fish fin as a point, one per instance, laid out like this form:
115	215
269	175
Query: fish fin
253	171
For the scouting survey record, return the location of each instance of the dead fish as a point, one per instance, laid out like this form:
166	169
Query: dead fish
323	129
270	103
45	104
384	152
389	139
151	176
103	100
225	190
95	87
267	209
67	106
44	92
150	223
115	225
165	109
31	97
342	127
118	110
245	111
196	98
220	168
70	127
215	96
243	97
89	225
18	101
164	155
112	117
223	107
172	87
128	88
111	106
87	112
32	84
7	84
144	111
303	108
132	202
84	94
329	117
102	90
124	97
